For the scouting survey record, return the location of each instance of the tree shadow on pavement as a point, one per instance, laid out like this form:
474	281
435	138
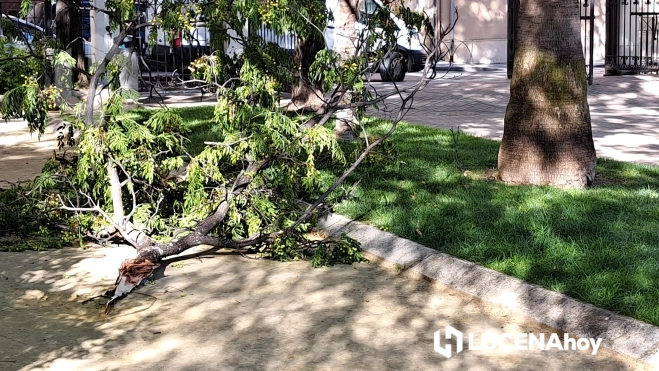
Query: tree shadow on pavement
223	311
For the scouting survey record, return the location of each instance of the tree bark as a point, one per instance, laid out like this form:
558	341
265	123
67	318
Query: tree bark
547	138
345	44
307	95
346	35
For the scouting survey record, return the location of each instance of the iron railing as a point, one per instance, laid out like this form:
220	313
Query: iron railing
632	43
588	35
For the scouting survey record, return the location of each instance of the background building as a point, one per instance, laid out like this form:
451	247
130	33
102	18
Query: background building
481	33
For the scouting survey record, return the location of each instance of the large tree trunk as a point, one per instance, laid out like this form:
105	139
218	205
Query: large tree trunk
68	20
307	94
345	34
345	42
547	136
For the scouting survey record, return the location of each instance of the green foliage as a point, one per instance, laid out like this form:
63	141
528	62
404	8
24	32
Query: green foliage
51	95
121	10
13	72
345	250
328	69
26	5
113	71
146	149
26	101
415	21
254	130
63	79
22	76
166	191
215	68
146	152
30	217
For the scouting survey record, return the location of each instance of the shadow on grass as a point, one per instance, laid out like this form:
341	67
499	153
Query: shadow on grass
598	245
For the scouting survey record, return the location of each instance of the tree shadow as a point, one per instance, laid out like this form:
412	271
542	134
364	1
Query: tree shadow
589	244
226	312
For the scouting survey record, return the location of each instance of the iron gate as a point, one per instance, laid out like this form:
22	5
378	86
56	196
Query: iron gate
164	59
10	7
632	43
287	41
587	16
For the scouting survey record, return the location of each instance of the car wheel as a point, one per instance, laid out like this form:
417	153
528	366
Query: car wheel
393	68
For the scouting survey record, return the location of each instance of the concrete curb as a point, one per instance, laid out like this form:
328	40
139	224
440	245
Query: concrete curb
455	67
621	334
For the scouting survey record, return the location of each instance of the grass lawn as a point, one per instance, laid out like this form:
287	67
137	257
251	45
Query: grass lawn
600	245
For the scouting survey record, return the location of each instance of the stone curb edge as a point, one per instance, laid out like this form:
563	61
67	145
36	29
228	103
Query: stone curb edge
621	334
469	68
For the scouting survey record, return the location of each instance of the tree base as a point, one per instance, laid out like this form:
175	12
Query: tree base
535	170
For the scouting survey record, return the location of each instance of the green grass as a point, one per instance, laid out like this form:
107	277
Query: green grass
600	245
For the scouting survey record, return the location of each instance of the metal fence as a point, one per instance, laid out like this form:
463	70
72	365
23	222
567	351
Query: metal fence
632	43
587	17
287	41
165	61
164	58
10	7
41	19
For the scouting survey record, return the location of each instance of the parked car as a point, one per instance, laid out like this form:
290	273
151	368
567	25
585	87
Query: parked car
24	33
20	32
409	55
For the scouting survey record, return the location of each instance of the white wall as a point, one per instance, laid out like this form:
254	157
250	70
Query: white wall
101	41
480	36
479	51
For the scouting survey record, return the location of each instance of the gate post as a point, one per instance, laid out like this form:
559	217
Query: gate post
48	17
513	15
591	42
611	43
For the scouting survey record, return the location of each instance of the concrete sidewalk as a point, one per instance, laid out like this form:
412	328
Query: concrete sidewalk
224	312
624	109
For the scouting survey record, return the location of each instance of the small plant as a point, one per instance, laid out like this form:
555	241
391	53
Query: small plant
31	218
345	250
51	95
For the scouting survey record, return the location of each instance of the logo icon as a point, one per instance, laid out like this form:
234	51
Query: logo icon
511	341
446	349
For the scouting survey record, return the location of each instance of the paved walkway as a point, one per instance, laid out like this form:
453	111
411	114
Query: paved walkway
224	312
624	109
